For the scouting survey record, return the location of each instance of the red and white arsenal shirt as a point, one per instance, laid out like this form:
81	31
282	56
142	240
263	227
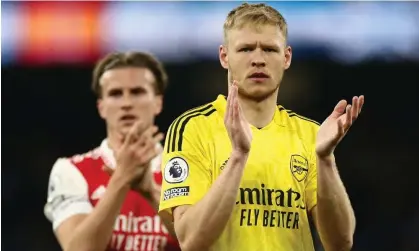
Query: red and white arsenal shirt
76	184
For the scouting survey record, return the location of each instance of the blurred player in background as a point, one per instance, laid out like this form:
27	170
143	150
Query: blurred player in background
245	174
107	198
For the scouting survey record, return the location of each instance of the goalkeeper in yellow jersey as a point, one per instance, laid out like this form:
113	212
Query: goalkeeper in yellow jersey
242	173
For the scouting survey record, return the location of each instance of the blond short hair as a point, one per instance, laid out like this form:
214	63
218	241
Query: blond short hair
255	15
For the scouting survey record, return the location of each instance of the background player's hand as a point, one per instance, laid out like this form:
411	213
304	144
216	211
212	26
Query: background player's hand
145	184
148	186
335	127
137	150
238	128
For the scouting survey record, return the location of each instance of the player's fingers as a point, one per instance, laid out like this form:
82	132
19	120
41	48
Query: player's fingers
235	115
107	169
237	110
158	137
340	107
228	97
348	121
146	135
361	102
234	121
232	101
152	130
228	108
121	137
355	108
150	142
141	127
241	115
149	154
341	128
139	151
130	137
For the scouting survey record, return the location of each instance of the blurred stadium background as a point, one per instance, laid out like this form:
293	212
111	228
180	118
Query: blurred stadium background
340	49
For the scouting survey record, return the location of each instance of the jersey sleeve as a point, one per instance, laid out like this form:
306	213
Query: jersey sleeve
311	185
67	193
185	166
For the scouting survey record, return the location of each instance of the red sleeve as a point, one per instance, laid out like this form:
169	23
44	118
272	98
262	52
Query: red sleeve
158	177
156	168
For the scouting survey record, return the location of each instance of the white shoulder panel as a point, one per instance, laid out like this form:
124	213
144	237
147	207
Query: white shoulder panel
67	193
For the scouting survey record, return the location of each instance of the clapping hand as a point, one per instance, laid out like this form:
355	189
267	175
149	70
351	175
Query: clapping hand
335	127
134	156
238	128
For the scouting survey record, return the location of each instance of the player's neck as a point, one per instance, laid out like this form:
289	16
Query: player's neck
114	141
259	113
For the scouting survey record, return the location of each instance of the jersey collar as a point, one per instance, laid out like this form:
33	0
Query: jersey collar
107	154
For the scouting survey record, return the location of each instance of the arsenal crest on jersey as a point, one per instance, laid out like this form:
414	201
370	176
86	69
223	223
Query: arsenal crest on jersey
299	167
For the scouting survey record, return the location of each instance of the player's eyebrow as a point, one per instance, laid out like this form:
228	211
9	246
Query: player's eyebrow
138	89
114	91
271	46
243	45
254	44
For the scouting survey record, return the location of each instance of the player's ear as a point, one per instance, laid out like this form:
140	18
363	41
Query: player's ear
158	106
288	57
101	108
223	56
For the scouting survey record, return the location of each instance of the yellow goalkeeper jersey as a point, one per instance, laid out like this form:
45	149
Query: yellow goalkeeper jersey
278	187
